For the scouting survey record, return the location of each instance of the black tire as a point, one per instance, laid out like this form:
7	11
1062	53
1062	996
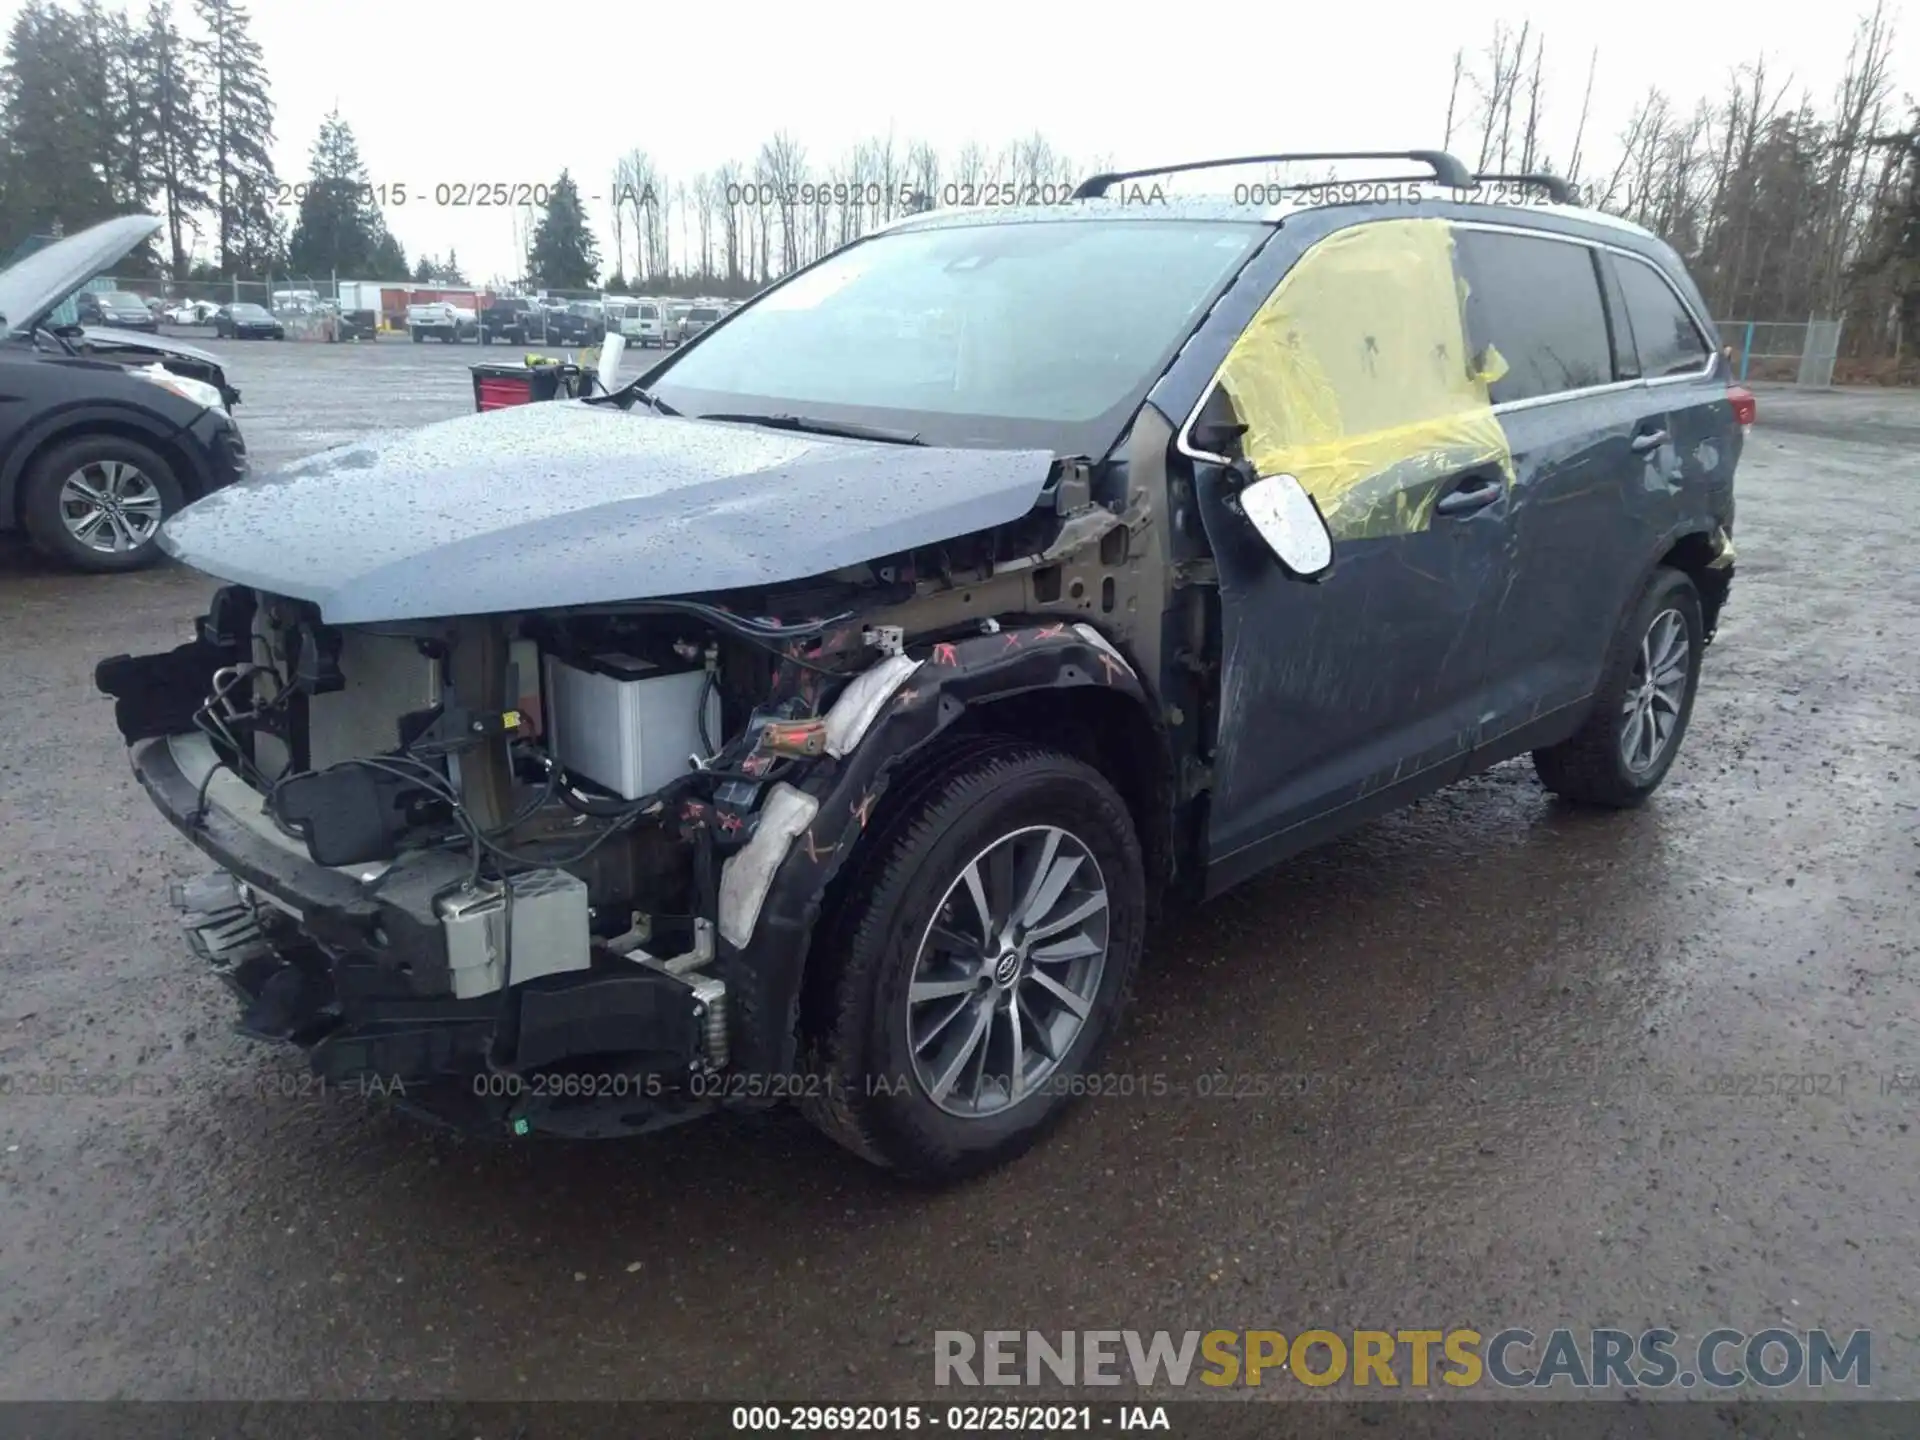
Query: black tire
1589	766
418	338
485	338
855	1025
41	511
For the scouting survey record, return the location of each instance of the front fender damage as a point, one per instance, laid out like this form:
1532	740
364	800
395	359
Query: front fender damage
772	890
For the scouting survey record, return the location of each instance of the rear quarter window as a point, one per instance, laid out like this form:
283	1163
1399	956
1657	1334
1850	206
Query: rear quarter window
1668	341
1537	302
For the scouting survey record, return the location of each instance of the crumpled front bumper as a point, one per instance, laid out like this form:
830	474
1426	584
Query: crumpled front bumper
351	964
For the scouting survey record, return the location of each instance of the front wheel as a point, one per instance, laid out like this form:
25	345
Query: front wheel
981	959
97	503
1628	743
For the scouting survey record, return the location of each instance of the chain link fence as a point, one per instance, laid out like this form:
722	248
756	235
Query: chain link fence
1792	352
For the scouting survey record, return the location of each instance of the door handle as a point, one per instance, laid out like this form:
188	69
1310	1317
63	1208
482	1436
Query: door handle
1649	440
1476	492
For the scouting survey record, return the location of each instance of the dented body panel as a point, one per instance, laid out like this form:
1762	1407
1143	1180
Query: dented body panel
950	683
1441	642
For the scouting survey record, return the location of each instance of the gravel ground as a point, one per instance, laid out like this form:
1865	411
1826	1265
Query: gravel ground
1463	1013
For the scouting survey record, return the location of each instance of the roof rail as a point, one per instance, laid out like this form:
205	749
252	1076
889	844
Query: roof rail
1446	169
1561	192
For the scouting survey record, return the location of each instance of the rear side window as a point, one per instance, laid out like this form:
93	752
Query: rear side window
1536	302
1668	340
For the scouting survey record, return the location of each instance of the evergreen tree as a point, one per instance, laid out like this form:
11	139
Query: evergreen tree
423	272
340	230
388	256
50	135
240	121
175	111
564	254
450	272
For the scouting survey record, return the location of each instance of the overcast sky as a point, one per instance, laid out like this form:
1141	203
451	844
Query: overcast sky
695	86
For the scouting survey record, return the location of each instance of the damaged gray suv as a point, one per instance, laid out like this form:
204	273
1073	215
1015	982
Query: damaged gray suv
823	717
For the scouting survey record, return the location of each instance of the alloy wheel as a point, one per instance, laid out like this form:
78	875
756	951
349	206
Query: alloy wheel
1651	711
1006	974
111	506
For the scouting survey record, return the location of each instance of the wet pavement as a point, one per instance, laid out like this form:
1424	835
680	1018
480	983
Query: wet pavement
1491	1061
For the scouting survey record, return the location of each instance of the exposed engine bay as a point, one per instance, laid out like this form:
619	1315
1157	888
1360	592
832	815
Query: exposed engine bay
500	846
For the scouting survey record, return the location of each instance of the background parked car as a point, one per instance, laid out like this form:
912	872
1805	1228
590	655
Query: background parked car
192	312
246	321
697	318
508	318
643	322
577	322
95	456
116	309
439	320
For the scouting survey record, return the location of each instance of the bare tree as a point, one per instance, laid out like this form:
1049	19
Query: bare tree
923	174
783	163
1453	97
726	185
1586	106
970	170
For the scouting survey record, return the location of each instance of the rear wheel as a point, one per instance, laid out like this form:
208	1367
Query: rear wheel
418	338
979	964
1640	712
97	503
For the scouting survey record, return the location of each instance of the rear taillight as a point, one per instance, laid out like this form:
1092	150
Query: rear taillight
1744	408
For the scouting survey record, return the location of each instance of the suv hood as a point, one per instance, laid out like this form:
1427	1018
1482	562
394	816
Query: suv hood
33	286
564	503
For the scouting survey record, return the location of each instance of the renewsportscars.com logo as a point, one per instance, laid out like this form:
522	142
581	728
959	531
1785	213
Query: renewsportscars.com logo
1513	1358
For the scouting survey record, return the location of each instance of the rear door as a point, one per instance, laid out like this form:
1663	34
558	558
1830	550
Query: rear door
1686	388
1568	396
1341	697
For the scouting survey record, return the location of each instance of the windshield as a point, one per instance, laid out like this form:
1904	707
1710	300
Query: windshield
1045	334
249	312
121	300
703	314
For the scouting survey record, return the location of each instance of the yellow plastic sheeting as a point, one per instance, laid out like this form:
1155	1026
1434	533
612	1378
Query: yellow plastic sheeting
1355	378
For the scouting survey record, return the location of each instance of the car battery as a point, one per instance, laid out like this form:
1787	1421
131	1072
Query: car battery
626	724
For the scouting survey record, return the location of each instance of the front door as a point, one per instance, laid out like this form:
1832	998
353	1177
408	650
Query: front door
1352	693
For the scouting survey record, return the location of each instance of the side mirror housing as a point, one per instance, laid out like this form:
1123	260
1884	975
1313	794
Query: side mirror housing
1287	519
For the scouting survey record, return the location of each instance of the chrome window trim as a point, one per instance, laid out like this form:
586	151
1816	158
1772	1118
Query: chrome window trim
1183	443
1686	306
1700	327
1534	402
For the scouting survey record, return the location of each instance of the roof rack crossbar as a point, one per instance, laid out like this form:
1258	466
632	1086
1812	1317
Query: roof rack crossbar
1446	169
1561	192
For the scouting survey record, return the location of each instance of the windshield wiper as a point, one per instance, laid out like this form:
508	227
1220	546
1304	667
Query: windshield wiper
630	392
807	423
